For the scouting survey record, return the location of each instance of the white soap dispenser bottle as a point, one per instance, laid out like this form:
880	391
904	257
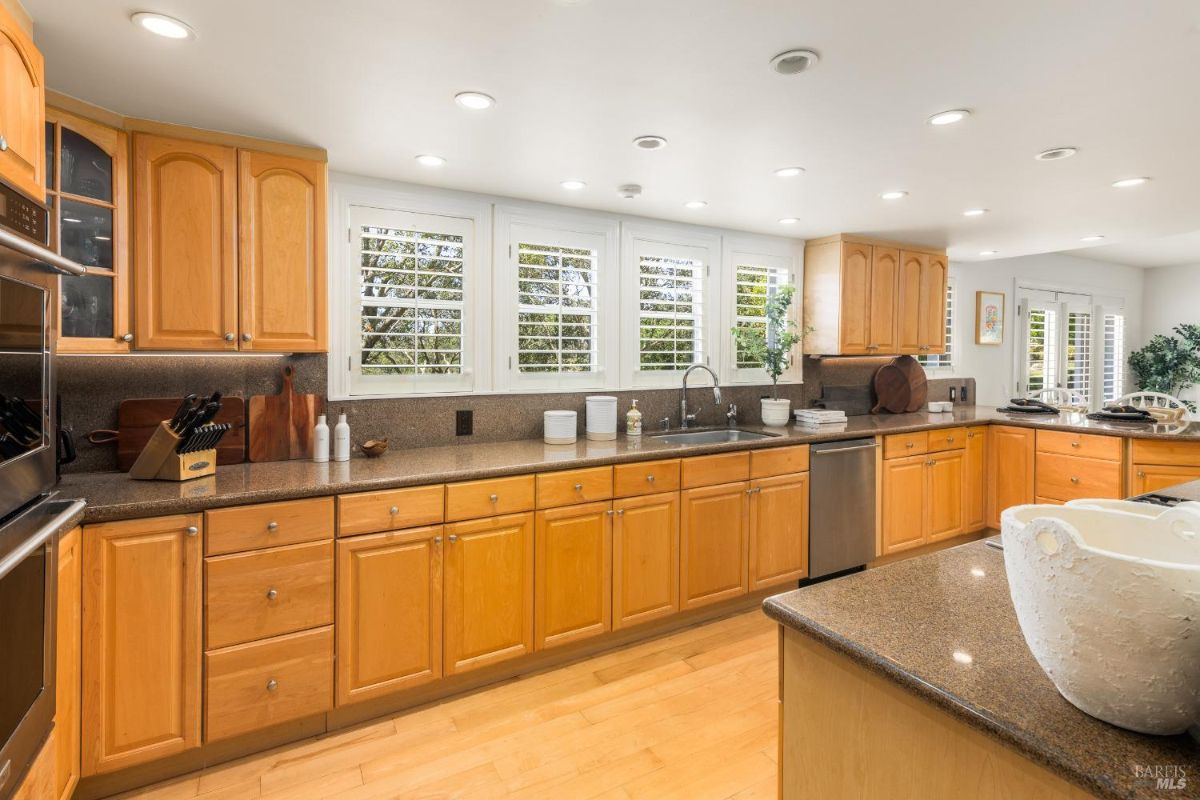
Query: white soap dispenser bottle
321	440
341	439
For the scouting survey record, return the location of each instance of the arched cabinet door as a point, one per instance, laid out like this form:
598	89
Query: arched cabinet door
22	109
185	245
282	253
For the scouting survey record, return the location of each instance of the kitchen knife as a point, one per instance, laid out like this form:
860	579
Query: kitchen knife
184	406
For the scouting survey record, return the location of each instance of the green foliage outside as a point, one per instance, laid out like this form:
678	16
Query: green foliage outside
769	343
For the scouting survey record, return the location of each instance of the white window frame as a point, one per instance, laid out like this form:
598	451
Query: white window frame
684	242
777	254
565	229
345	319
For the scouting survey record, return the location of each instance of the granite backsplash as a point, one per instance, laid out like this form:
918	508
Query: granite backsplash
91	388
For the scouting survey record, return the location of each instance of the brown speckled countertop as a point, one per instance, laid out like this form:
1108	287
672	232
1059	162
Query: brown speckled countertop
907	620
114	495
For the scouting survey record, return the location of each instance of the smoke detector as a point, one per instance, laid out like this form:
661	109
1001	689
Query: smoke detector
629	191
793	62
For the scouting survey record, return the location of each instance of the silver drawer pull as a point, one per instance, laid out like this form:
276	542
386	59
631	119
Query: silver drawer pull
1074	444
272	685
579	487
910	445
191	530
453	538
609	512
393	511
650	478
272	525
494	498
949	438
620	512
272	594
1141	474
1074	479
437	540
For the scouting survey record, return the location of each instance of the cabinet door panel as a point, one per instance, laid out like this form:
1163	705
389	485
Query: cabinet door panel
1150	478
856	298
778	530
22	109
913	266
645	558
885	270
389	612
713	532
67	663
573	574
975	475
932	322
282	254
1010	467
945	495
904	512
185	240
488	591
141	641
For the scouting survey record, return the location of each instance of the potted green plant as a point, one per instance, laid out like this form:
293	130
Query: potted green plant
1168	364
769	344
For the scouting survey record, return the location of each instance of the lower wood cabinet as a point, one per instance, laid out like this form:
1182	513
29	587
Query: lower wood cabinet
944	495
923	499
572	573
488	591
67	664
142	640
714	523
1157	464
389	612
645	545
975	476
1152	477
778	530
1010	469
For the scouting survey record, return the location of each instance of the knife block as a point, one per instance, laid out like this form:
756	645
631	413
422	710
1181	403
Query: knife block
159	461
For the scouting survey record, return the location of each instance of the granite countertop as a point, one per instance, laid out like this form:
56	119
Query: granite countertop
916	621
114	495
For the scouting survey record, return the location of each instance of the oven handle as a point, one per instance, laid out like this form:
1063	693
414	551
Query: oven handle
52	527
44	256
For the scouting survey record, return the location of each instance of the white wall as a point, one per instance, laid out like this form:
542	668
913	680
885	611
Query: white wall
992	366
1171	297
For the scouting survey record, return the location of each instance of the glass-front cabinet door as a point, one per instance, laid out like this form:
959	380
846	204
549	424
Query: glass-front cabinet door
87	191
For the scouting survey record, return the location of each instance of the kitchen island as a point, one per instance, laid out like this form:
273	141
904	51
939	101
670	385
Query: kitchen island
914	681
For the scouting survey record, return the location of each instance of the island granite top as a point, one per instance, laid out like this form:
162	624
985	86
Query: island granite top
943	627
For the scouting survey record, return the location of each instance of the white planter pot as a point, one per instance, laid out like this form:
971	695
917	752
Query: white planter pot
776	413
1107	594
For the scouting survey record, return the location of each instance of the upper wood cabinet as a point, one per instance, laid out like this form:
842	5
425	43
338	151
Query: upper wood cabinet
866	297
142	631
22	109
185	244
281	223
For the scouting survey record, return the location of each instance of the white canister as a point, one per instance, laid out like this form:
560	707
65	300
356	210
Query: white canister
558	427
601	418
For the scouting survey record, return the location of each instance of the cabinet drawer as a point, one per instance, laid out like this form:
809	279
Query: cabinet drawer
370	512
231	530
647	477
1107	448
269	592
486	498
947	439
1062	477
713	470
899	445
574	486
778	461
253	686
1166	453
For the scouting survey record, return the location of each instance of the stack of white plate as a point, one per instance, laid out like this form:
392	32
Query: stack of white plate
558	427
819	416
601	418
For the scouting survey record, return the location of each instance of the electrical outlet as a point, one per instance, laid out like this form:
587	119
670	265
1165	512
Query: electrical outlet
962	393
464	423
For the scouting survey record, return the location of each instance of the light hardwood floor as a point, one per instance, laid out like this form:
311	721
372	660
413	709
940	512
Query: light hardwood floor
691	715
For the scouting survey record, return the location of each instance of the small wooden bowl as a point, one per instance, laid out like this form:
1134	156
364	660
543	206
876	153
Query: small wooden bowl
374	448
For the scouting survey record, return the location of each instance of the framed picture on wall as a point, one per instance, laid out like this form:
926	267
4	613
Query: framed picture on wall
989	317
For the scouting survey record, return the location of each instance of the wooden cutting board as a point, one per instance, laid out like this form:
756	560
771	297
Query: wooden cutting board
900	386
918	384
281	425
138	419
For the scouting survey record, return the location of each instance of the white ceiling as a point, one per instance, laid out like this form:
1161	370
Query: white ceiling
1168	251
373	80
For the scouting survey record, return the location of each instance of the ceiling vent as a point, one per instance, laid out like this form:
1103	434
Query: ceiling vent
793	62
1056	153
629	191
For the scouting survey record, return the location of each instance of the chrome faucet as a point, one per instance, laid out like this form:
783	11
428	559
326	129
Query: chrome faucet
686	419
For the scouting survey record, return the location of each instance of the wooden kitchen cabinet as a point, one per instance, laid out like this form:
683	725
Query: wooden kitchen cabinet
713	543
1153	477
944	495
931	312
855	334
488	591
1010	457
142	641
904	509
572	574
1071	466
975	479
22	109
281	225
924	496
389	612
185	244
67	686
645	544
778	530
1156	464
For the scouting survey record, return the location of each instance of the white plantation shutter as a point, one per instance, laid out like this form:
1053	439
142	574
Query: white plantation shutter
557	323
1078	377
1113	367
753	286
670	312
944	360
1041	366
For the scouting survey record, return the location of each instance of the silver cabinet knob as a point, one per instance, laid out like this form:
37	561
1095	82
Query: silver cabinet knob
494	498
970	434
247	337
1074	479
579	487
949	438
453	538
620	512
394	510
909	445
3	144
1141	474
272	685
609	512
191	530
272	525
437	540
650	479
229	337
1074	444
272	594
127	337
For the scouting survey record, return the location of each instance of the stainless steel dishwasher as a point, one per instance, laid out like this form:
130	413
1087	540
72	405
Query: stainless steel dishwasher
841	499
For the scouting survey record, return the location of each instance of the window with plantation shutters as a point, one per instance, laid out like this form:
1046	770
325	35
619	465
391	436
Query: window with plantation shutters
557	305
670	312
944	360
1042	350
1078	372
753	286
1113	368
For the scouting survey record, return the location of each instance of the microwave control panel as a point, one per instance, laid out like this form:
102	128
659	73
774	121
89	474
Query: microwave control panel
23	216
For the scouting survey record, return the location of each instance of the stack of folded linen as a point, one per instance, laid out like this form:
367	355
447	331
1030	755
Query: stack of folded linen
819	416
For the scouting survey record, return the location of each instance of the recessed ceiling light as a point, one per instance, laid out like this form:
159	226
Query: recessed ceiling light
988	252
1056	153
1126	183
1095	237
650	142
975	212
572	186
949	117
476	101
695	204
793	62
789	172
895	194
430	161
789	220
162	25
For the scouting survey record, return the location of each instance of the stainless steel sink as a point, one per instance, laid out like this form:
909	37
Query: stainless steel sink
712	437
